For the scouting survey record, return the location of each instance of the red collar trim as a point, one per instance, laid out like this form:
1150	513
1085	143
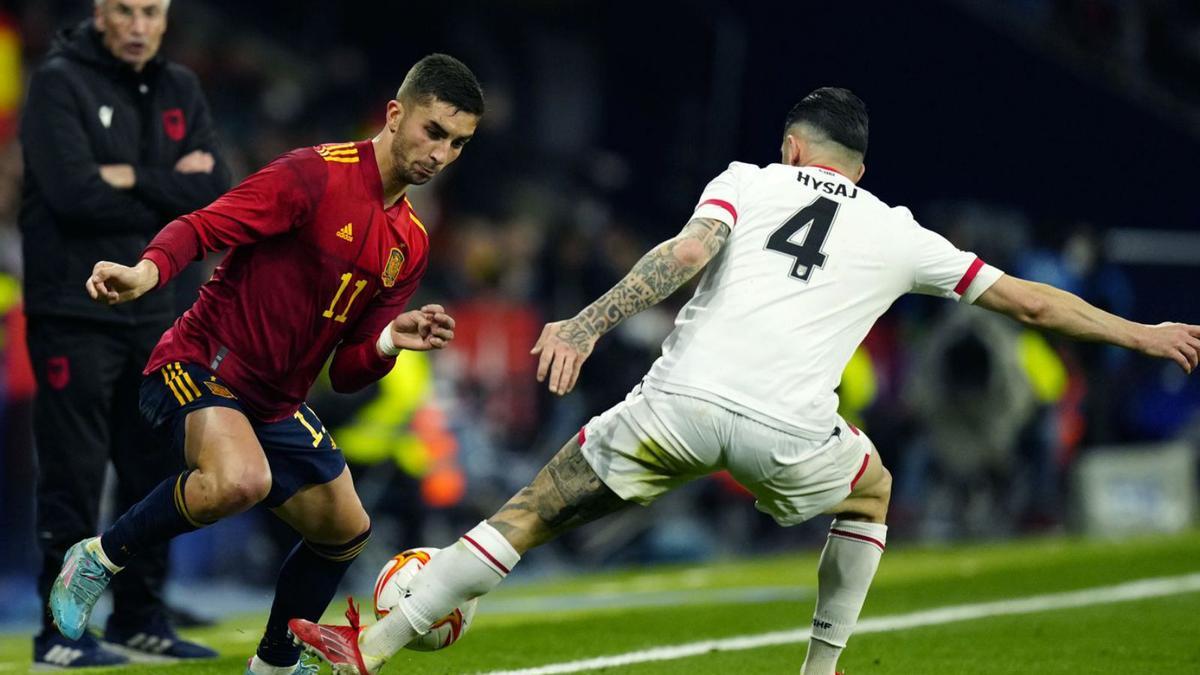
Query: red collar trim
828	168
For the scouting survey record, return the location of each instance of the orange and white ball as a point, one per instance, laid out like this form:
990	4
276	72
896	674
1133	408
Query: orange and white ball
393	581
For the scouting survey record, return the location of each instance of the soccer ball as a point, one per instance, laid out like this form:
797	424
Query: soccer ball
390	586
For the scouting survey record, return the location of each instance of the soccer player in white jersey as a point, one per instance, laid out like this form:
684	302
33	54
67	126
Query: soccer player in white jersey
799	263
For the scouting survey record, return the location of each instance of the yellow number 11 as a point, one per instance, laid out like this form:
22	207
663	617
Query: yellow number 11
358	286
317	435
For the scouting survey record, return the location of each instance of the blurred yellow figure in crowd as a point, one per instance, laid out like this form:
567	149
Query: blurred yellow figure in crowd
402	424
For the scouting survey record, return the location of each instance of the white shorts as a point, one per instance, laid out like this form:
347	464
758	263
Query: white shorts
653	442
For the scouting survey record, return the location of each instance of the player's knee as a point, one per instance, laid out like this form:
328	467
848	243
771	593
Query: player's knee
240	492
875	506
869	502
350	527
879	488
885	487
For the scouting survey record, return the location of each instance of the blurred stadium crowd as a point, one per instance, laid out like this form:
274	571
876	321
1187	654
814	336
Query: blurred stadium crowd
595	145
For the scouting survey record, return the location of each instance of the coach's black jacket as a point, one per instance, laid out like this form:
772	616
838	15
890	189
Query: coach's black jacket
86	108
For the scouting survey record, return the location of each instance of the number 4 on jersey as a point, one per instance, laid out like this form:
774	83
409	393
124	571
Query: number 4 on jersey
808	252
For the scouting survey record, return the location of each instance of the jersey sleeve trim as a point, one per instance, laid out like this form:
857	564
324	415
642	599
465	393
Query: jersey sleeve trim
965	282
984	277
721	203
412	214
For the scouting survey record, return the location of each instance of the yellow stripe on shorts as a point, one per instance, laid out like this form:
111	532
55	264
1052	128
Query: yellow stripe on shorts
187	377
166	373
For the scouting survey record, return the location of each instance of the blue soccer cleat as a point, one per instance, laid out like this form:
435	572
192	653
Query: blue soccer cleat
153	641
303	667
52	651
79	584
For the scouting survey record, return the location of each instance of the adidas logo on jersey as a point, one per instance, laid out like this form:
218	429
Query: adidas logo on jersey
62	656
347	232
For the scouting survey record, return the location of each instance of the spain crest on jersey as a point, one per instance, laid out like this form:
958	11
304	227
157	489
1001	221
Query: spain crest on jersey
392	269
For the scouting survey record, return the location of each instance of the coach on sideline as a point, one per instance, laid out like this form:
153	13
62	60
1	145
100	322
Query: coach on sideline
117	142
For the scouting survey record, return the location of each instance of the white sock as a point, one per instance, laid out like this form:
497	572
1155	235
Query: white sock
474	565
260	667
95	547
844	574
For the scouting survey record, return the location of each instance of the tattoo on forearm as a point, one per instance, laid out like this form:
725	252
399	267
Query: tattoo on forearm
656	276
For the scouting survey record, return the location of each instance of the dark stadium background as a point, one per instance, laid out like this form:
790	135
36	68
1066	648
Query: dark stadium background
1018	129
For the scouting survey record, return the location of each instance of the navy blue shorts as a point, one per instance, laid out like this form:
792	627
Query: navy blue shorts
299	449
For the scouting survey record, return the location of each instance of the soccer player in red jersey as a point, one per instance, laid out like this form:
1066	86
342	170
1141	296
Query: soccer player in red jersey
325	253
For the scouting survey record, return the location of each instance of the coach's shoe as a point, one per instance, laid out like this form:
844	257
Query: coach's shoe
336	645
303	667
153	641
79	584
52	651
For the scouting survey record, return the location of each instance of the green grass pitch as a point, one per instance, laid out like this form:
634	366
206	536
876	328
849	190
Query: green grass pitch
529	625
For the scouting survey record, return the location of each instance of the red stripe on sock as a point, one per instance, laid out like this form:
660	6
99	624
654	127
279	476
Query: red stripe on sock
485	553
582	436
857	537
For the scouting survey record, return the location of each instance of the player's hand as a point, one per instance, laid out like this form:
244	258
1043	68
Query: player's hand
113	284
421	330
119	176
1179	342
563	347
196	161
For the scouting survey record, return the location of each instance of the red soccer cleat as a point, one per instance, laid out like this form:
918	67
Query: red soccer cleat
336	645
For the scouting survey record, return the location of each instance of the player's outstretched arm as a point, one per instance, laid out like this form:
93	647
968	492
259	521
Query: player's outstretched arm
565	345
1046	307
113	284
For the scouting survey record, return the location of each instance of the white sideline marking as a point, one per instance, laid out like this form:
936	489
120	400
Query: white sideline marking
539	604
1134	590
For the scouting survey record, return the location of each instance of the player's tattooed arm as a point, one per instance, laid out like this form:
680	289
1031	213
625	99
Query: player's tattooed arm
564	345
655	277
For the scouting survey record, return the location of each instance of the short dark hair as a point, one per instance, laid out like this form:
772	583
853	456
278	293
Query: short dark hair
446	79
837	113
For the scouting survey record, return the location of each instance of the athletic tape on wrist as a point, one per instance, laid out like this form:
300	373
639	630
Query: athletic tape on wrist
386	345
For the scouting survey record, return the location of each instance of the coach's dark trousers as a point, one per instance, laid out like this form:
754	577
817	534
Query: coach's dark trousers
86	414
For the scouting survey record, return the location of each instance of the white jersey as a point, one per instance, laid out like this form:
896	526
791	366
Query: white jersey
811	263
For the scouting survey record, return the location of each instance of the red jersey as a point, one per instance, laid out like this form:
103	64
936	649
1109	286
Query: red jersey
317	266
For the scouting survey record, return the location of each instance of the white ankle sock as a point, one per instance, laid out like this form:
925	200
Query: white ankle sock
844	574
474	565
821	658
260	667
